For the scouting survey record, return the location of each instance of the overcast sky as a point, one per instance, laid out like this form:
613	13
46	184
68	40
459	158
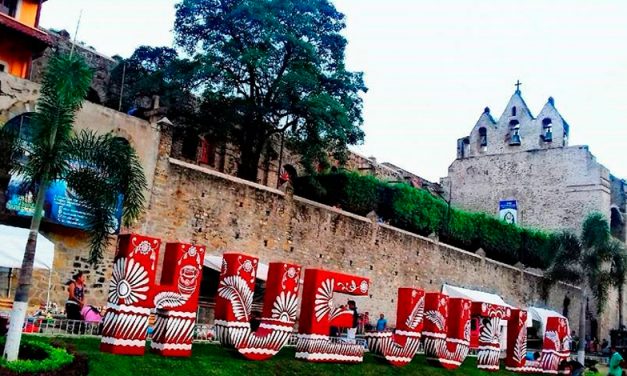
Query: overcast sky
432	66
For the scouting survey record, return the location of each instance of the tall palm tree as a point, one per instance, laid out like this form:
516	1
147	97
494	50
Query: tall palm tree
97	169
595	261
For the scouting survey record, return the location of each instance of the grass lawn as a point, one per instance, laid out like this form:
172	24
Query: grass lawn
215	360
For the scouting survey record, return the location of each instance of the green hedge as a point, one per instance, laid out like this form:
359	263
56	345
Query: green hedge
418	211
47	358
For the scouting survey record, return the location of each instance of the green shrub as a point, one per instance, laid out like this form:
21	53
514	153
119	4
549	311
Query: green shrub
53	358
461	230
535	249
500	241
418	211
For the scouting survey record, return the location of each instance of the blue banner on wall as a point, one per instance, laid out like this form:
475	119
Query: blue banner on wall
60	204
508	211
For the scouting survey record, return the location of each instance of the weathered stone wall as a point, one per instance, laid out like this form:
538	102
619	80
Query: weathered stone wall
99	63
555	188
18	96
191	203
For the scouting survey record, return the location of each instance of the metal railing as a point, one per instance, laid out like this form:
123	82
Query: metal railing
203	333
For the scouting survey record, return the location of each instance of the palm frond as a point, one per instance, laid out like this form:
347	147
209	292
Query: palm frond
566	263
618	269
103	168
63	90
595	231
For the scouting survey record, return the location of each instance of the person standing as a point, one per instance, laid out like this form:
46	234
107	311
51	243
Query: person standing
616	364
351	332
76	297
382	323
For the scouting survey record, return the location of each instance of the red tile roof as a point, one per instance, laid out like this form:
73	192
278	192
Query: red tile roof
13	24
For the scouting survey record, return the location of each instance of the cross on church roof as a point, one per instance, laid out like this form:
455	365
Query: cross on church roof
518	83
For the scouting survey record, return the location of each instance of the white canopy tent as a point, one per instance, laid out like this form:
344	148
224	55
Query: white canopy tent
215	263
12	244
479	297
540	315
473	295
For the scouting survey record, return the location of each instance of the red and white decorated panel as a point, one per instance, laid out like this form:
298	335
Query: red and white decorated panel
399	347
318	312
446	330
235	298
516	354
234	304
280	307
490	335
177	299
130	298
555	347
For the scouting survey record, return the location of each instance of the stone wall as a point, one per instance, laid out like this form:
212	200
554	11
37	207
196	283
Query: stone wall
99	63
18	96
192	203
555	188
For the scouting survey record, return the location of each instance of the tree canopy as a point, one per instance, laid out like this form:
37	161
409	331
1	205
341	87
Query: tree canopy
154	71
595	259
272	67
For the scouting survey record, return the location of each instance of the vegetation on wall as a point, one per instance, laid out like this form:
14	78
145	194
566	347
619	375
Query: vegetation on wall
418	211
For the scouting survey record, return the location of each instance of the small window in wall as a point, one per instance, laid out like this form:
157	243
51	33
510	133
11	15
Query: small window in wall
547	130
483	137
515	132
3	66
514	111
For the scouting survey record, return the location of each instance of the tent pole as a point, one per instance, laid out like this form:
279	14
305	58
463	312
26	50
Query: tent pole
9	282
48	295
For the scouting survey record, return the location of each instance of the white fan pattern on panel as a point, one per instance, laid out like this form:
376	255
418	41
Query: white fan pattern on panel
404	354
271	343
438	348
174	329
520	348
129	282
416	315
436	318
553	337
236	290
324	296
285	307
169	299
488	357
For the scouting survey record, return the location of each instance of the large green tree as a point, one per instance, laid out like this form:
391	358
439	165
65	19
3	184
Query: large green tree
155	71
595	261
97	169
277	67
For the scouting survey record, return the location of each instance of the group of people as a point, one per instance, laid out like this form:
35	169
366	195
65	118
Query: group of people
591	345
365	325
361	322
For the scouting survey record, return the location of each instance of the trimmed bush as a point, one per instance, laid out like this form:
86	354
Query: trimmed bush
416	210
420	212
461	230
40	358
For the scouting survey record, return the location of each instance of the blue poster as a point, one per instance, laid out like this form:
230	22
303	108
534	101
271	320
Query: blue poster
60	204
508	211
